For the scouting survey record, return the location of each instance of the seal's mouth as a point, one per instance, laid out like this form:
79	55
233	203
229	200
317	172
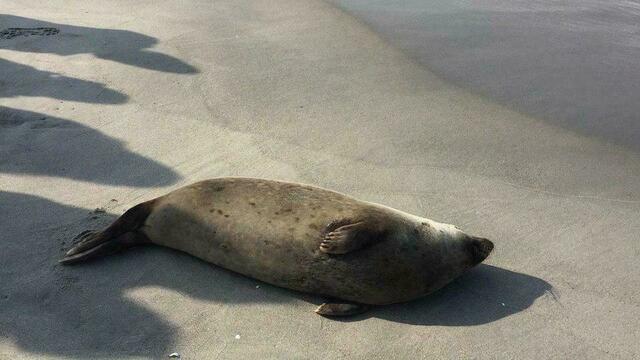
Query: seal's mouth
480	248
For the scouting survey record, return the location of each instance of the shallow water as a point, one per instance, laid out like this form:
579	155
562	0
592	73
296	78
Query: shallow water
573	63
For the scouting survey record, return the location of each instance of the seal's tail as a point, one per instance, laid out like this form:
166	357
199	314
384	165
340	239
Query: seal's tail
120	235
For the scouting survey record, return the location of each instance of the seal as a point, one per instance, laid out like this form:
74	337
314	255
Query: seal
299	237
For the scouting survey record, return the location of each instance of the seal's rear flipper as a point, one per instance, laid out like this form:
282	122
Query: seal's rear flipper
341	309
102	248
118	236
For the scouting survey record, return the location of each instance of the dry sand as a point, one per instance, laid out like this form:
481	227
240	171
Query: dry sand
132	99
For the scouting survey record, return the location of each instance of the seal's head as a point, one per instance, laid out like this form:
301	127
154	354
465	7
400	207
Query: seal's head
464	249
446	253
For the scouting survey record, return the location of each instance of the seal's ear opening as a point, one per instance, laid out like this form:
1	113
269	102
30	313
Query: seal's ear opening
479	248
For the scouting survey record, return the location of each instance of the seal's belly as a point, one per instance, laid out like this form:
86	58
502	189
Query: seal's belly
273	234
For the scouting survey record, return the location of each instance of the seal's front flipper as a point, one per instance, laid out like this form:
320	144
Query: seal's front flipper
346	235
344	239
341	309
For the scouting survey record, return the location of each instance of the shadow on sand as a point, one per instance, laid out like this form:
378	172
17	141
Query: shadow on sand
126	47
38	144
84	311
25	80
484	294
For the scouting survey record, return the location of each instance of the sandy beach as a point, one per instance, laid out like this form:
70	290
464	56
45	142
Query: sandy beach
132	99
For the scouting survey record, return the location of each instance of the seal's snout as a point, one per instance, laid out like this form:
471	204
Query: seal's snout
480	248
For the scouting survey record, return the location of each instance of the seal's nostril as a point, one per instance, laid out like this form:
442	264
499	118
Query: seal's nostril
488	245
480	249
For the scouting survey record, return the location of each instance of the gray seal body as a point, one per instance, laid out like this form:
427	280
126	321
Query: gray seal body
299	237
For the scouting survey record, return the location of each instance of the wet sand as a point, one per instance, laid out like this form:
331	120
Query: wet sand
572	64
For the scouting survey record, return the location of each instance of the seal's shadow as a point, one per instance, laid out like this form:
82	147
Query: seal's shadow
483	295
